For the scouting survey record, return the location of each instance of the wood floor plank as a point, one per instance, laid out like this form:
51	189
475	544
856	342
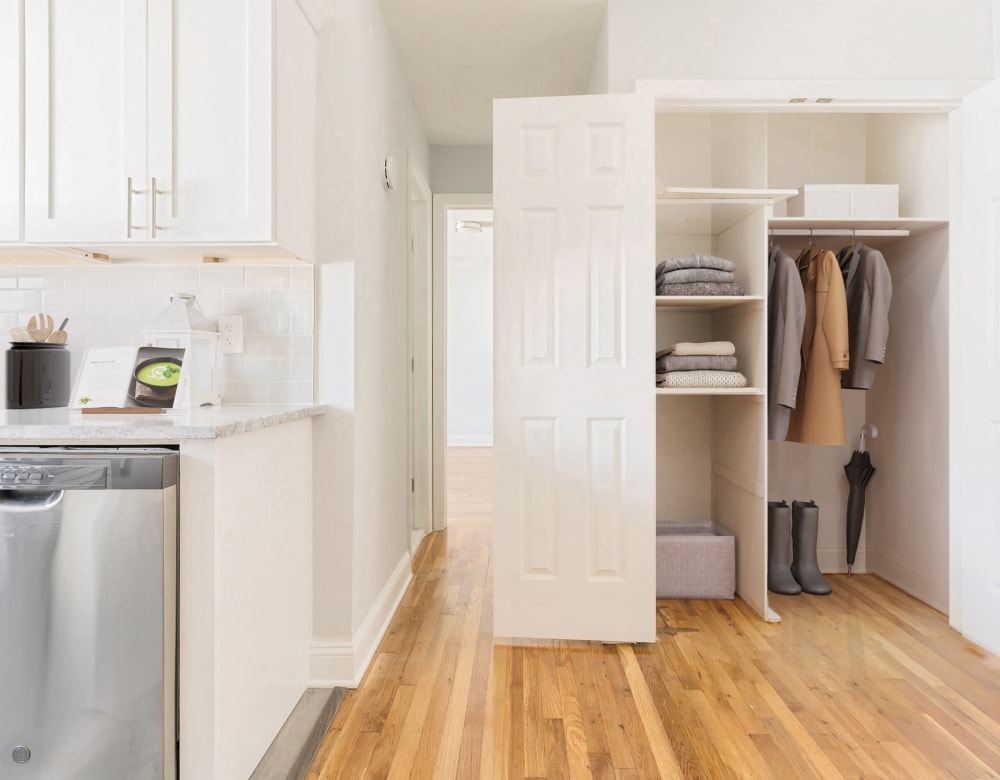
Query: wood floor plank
866	682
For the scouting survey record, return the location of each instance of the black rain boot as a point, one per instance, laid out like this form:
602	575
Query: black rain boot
805	569
779	528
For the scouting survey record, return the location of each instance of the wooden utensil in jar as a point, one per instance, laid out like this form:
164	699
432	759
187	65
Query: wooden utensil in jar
58	336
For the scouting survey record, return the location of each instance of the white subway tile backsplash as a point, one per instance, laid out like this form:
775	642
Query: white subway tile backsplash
289	300
110	301
176	278
20	301
245	393
266	369
242	301
267	324
64	303
113	306
289	392
301	277
86	278
133	278
221	276
267	276
41	278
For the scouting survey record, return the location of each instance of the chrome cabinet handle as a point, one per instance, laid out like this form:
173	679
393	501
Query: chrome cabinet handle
129	192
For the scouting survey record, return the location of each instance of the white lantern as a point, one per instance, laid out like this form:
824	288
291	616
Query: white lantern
183	325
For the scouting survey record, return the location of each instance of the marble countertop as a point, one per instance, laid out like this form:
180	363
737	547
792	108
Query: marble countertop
211	422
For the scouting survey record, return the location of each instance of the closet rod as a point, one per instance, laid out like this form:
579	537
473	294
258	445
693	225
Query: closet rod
900	233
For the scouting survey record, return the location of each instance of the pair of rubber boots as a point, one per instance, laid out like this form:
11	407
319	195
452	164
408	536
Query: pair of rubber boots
801	522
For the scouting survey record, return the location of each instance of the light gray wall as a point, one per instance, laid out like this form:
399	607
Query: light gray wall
461	169
806	40
364	112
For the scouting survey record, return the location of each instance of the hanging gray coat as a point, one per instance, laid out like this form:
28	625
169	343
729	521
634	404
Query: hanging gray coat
786	316
869	292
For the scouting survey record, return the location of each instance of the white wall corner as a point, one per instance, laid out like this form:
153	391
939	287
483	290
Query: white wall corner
343	664
600	77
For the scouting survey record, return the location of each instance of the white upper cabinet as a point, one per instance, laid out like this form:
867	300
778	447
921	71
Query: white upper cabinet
155	123
10	120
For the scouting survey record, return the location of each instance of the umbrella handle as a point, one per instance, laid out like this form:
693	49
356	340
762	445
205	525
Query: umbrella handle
872	429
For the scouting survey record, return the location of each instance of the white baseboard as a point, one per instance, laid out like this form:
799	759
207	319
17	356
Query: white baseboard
343	664
833	560
470	440
920	584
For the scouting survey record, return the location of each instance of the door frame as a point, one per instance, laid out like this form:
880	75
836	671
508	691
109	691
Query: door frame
419	350
443	203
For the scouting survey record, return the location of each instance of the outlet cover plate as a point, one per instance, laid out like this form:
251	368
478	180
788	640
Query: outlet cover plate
231	334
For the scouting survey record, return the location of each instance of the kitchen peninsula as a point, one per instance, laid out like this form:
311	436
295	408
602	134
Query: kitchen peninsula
245	564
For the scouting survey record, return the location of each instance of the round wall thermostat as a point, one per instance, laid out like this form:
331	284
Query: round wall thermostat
389	172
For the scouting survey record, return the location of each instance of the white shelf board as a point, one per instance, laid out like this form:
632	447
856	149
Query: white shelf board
913	225
709	391
704	302
723	194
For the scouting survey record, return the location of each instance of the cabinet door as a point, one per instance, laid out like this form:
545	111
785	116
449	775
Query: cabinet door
974	304
10	120
574	403
210	126
85	123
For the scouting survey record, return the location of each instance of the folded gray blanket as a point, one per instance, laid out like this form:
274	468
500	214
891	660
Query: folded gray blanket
685	275
700	288
668	363
695	261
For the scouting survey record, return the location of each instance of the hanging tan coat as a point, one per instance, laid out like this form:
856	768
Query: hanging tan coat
818	417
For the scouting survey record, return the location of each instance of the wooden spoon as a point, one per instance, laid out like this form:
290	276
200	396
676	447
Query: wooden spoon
19	334
44	327
33	328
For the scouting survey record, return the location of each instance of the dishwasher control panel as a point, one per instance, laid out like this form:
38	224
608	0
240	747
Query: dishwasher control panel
20	476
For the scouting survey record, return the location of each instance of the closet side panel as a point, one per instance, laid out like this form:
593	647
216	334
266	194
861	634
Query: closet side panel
907	511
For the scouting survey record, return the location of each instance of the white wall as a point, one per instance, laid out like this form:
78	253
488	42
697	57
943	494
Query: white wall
597	83
806	39
110	306
364	112
470	332
461	169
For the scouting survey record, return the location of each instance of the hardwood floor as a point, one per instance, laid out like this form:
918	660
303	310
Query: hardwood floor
867	682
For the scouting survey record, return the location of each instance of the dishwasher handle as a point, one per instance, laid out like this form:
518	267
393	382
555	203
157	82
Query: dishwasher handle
22	501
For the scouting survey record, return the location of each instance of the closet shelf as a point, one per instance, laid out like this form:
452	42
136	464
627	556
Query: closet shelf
723	194
862	228
704	302
709	391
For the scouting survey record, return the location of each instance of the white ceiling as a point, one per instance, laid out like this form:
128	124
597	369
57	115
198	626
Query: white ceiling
460	54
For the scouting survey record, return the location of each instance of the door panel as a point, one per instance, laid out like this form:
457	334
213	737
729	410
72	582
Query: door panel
574	528
85	122
210	126
975	372
10	120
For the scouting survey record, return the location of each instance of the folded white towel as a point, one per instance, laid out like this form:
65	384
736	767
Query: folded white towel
703	348
704	379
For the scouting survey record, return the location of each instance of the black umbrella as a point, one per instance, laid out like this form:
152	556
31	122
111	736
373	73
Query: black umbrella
859	471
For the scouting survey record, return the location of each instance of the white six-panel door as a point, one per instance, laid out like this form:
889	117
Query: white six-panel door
975	373
85	120
574	410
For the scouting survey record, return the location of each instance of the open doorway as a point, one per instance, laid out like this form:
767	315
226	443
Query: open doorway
463	336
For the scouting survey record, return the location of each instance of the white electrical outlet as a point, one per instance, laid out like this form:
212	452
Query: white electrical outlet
231	334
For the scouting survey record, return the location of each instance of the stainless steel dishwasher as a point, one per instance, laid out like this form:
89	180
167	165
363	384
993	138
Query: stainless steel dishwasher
88	571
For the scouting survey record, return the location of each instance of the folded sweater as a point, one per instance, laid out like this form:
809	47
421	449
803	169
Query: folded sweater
695	261
703	348
668	363
699	288
705	379
683	275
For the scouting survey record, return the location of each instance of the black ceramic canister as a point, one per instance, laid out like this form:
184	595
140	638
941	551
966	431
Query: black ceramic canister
38	375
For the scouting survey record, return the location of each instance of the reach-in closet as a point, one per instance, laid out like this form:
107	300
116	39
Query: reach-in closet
727	160
590	193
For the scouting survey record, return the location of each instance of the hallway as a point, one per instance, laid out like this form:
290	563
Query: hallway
865	682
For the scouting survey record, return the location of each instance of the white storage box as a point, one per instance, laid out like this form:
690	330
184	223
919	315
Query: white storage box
846	201
695	561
